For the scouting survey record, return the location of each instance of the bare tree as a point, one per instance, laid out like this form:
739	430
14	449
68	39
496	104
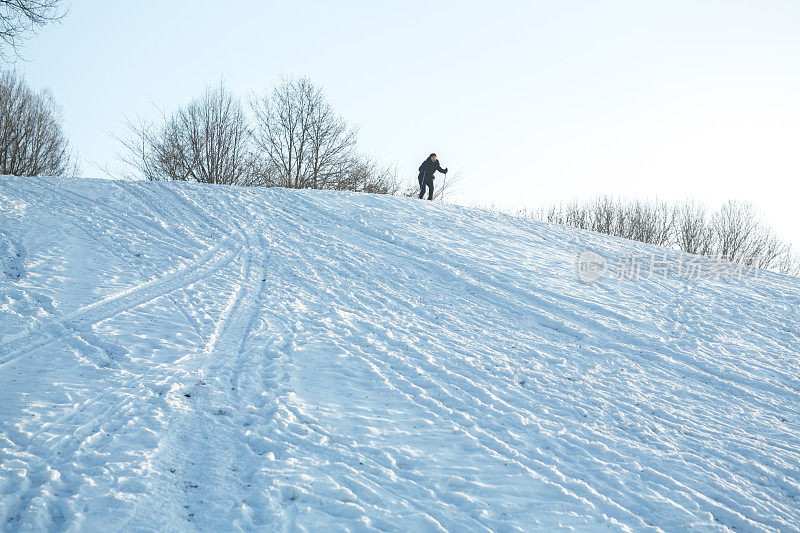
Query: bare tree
21	17
741	236
282	124
303	141
296	141
788	262
208	141
32	140
331	142
650	222
603	215
692	231
733	227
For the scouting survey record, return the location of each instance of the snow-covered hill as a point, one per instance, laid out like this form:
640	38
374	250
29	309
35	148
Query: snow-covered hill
179	357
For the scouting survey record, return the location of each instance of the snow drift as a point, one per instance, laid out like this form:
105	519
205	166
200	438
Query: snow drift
179	357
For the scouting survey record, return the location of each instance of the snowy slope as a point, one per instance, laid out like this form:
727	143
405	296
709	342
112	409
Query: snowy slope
180	357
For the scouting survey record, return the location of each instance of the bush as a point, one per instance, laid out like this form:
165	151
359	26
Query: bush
735	232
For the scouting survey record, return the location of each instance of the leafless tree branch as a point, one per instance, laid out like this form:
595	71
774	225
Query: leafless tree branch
32	140
207	141
18	18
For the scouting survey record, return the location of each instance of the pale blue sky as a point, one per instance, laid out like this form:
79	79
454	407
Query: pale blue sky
532	102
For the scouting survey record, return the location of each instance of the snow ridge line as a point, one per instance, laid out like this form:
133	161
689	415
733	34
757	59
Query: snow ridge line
61	194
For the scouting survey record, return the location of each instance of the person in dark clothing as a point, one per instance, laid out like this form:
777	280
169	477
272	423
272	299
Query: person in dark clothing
426	170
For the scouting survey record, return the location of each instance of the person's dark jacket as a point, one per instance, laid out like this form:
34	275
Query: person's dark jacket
428	167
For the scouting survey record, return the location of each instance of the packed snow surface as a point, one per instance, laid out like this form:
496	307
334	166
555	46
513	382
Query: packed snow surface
180	357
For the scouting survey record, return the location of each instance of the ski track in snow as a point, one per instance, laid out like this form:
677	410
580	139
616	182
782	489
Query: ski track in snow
182	357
